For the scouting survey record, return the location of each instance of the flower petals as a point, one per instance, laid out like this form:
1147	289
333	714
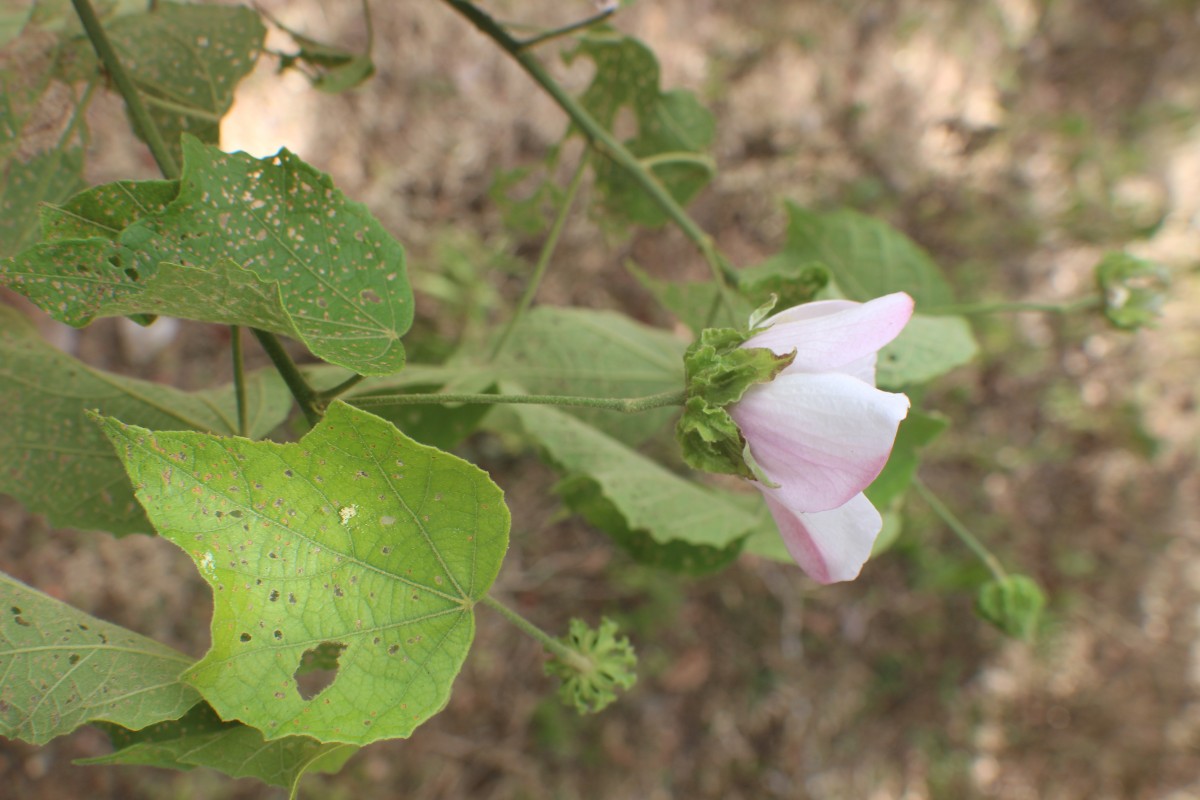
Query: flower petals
823	438
833	334
830	546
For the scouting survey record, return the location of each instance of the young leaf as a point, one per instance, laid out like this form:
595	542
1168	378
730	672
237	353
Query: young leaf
867	257
186	61
356	538
58	464
60	668
673	129
329	68
1013	604
201	739
264	243
638	493
42	133
927	348
579	351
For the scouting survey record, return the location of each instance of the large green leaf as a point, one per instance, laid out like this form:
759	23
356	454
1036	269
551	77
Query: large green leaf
644	496
59	464
356	538
583	352
868	257
186	61
927	348
674	130
265	243
201	739
60	668
42	133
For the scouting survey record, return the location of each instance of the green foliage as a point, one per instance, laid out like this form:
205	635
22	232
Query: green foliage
1013	604
608	665
866	257
719	371
265	243
186	61
916	432
42	134
697	304
577	351
355	536
1134	290
201	739
57	463
927	348
674	130
62	668
586	498
649	499
327	67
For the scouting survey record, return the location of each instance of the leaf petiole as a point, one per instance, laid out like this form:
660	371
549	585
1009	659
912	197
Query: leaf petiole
960	530
627	405
577	661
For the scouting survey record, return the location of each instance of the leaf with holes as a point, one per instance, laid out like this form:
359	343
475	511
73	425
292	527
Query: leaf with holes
61	668
673	130
201	739
185	60
355	545
59	464
264	243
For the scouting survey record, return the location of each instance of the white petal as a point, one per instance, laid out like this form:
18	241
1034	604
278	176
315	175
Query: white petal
836	334
823	438
830	546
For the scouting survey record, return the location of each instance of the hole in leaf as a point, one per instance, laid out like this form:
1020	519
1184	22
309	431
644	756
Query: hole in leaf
318	668
74	659
132	274
245	637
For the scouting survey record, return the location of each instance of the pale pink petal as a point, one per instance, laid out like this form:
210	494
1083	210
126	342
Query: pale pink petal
836	334
823	438
830	546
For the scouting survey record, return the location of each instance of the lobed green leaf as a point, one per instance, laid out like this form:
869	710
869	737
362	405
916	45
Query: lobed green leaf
58	464
355	539
61	668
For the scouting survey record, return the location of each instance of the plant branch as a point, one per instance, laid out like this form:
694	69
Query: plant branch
548	248
133	99
1001	307
627	405
600	16
960	530
239	379
324	398
565	654
603	141
305	397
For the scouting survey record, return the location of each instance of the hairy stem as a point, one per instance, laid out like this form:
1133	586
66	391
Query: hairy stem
628	405
133	99
305	397
565	654
603	142
239	379
960	530
539	271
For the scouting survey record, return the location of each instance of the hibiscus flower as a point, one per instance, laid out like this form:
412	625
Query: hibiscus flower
820	432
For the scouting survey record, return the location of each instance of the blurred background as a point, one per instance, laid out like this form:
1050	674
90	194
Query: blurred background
1016	140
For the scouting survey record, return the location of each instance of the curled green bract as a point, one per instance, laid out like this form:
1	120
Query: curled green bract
718	372
606	663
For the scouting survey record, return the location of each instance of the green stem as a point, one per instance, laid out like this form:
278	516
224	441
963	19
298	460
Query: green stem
565	654
133	99
534	41
628	405
1001	307
604	142
239	379
305	397
960	530
326	396
539	270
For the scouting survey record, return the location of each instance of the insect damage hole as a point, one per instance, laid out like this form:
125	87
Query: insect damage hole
318	669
